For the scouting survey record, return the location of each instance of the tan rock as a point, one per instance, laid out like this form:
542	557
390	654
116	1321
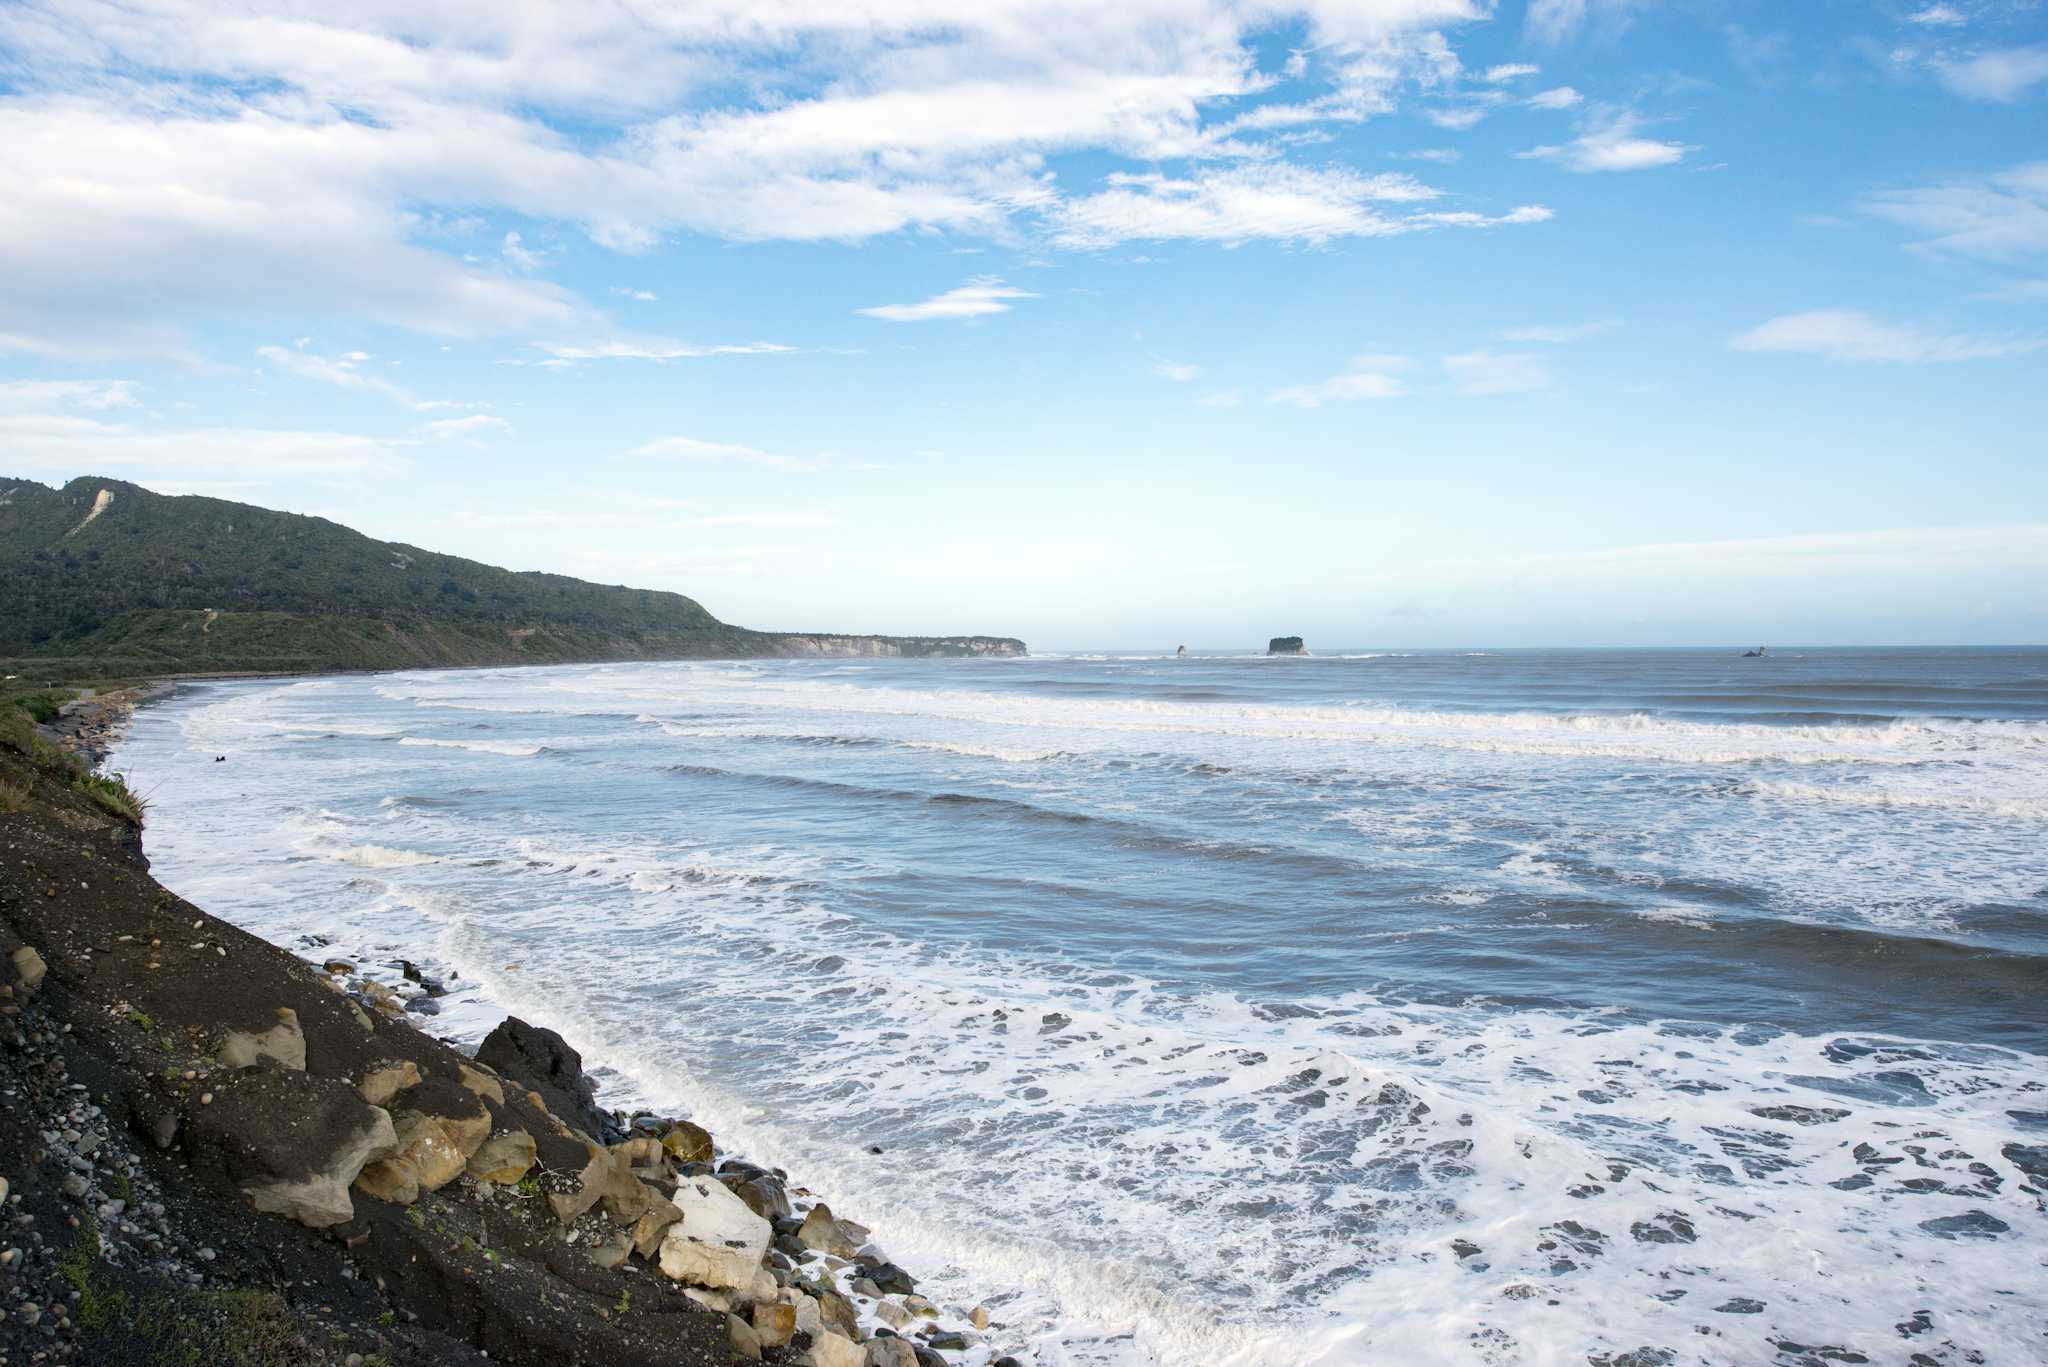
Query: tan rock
774	1324
980	1317
687	1143
892	1314
589	1186
387	1080
808	1319
614	1254
503	1158
283	1044
648	1229
890	1352
745	1342
482	1082
718	1243
837	1312
822	1234
30	966
639	1150
390	1180
432	1146
832	1349
708	1298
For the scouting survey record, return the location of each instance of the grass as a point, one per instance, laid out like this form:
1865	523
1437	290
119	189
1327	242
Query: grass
238	1328
112	792
99	1306
13	797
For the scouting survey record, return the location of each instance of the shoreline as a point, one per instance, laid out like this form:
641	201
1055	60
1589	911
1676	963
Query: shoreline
847	1304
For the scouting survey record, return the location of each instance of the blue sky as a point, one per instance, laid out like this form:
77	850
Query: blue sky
1424	322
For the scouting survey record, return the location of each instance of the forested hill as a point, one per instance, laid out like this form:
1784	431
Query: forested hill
135	582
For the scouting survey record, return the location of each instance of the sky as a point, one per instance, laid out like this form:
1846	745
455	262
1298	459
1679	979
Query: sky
1383	322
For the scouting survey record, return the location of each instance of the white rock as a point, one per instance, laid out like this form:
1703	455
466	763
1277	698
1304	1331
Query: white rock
831	1349
718	1243
892	1314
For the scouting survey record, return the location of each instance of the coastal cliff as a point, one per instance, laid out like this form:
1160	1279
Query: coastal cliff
216	1153
105	579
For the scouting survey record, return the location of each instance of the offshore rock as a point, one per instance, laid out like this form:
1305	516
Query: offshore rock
1286	645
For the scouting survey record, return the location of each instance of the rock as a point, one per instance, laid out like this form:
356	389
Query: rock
893	1280
687	1143
542	1061
31	968
890	1352
718	1243
649	1228
837	1312
387	1080
433	1150
283	1044
893	1314
1285	645
639	1149
424	1006
341	966
832	1349
503	1158
774	1323
764	1194
979	1319
949	1339
582	1191
481	1082
292	1143
745	1342
822	1234
614	1254
809	1320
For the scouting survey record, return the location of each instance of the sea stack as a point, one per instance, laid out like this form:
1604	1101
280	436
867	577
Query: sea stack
1286	645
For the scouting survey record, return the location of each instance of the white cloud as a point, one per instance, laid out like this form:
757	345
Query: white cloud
1274	201
518	256
1180	372
1367	377
655	349
1457	120
1221	398
1611	146
1494	372
1443	156
639	296
468	429
691	448
1557	21
2000	75
68	445
1558	336
1938	14
1852	335
99	395
976	299
1999	217
1508	71
1559	97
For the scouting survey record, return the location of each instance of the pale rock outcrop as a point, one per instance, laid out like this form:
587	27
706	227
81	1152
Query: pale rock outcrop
831	1349
890	1352
892	1314
291	1142
718	1243
31	968
745	1342
822	1234
387	1080
283	1044
482	1082
503	1158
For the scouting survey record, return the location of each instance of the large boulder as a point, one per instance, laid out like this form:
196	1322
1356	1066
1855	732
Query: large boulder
291	1142
283	1044
1286	645
822	1234
832	1349
437	1134
503	1158
718	1243
541	1061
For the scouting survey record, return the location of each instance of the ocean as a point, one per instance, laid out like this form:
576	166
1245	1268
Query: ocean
1373	1007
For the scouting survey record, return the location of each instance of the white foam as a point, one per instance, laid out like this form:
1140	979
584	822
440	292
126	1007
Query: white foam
517	749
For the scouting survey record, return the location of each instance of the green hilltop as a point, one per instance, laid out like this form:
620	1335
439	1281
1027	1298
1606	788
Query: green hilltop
102	578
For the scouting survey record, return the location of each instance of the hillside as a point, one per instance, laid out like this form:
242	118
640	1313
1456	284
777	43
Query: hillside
106	577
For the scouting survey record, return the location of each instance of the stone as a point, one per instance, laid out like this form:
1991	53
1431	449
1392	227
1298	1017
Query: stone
893	1314
540	1060
387	1080
890	1352
892	1280
503	1158
687	1143
809	1319
837	1312
482	1083
433	1150
979	1318
30	967
292	1143
613	1255
832	1349
763	1194
639	1149
718	1243
1286	645
745	1342
283	1044
586	1188
649	1228
774	1323
822	1234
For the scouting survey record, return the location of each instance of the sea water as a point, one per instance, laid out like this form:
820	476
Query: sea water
1383	1007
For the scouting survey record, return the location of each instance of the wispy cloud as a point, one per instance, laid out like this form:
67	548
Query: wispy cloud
693	448
1221	398
1852	335
1180	372
1558	97
1999	217
1560	335
976	299
639	296
98	395
1508	71
1612	145
1999	75
1483	372
470	430
1946	16
656	349
1367	377
66	444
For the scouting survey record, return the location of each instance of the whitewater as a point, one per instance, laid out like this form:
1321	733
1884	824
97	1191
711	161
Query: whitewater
1608	1007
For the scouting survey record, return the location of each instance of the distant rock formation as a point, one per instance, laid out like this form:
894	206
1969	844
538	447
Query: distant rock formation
1286	645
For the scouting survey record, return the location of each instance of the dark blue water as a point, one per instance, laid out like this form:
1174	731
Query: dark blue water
1202	1004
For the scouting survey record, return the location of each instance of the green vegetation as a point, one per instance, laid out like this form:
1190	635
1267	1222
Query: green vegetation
99	1306
13	797
103	580
239	1328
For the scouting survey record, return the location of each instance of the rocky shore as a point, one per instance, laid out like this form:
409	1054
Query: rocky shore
215	1152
